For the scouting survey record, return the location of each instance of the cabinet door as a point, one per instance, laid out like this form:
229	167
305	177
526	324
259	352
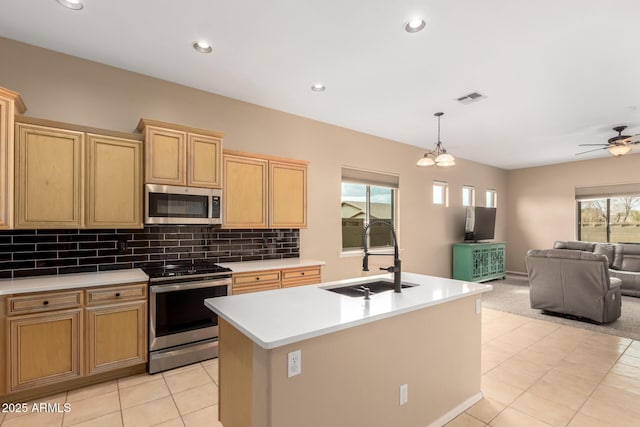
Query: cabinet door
44	348
114	182
49	177
204	158
6	162
165	153
287	195
245	192
116	336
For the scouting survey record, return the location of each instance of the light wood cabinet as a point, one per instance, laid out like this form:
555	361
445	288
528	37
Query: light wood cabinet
275	279
287	195
72	334
48	177
70	176
44	348
114	182
10	104
244	197
264	191
180	155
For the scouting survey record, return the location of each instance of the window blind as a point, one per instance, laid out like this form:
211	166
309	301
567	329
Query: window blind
360	176
604	191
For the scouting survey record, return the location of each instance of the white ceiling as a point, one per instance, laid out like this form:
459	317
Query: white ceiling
556	73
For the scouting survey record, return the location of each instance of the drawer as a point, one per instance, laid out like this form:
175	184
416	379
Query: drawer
307	280
36	303
248	279
300	273
113	294
255	288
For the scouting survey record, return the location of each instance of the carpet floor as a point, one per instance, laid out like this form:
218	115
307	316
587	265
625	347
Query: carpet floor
512	295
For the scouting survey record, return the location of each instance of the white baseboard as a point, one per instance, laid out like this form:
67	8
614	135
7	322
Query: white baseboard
459	409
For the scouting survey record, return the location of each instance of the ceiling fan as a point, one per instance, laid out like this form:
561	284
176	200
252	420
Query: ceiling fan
618	145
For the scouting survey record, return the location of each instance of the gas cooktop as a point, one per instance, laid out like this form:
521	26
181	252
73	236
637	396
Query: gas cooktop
184	268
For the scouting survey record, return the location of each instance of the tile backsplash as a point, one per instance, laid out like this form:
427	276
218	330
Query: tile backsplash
39	252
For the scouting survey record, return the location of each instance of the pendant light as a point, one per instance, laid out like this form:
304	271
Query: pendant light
439	155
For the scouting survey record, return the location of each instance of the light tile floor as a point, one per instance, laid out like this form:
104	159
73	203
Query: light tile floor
535	373
185	396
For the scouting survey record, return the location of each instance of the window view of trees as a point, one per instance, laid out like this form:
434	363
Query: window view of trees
614	219
362	204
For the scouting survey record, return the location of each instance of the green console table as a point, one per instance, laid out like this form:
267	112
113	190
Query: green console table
478	262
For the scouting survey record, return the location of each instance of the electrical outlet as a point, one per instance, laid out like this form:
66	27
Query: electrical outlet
294	363
478	306
404	394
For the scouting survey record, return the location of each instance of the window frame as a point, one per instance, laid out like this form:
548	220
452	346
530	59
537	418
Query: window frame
607	215
494	198
394	213
445	196
472	195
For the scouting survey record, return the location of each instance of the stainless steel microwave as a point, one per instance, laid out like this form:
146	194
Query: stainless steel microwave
169	204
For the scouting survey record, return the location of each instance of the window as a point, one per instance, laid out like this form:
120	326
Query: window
366	197
468	195
609	213
491	199
440	193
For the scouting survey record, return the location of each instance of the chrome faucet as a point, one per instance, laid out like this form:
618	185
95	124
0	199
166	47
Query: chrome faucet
395	269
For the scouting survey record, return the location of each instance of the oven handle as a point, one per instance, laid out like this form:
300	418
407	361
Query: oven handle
158	289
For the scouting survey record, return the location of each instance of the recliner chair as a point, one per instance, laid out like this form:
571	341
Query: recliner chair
573	282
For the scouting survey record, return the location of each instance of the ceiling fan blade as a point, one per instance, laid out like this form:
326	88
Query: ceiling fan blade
635	139
589	151
586	145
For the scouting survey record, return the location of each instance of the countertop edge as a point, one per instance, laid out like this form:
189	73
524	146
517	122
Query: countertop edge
271	264
331	329
62	282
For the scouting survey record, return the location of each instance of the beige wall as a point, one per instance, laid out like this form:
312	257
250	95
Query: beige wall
59	87
542	207
352	377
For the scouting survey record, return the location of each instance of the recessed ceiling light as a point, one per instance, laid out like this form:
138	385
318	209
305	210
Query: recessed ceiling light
202	47
414	25
318	87
71	4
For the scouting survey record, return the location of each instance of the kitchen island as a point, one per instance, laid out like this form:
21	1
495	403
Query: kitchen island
355	355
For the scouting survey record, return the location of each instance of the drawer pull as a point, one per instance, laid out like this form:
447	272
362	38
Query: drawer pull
257	278
303	273
45	303
117	294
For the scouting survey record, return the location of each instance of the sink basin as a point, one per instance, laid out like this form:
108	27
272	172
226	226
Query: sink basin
376	287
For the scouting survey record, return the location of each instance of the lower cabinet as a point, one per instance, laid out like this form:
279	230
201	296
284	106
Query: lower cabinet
44	348
478	262
65	335
116	336
275	279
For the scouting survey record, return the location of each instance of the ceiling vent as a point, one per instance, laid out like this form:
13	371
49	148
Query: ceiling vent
471	97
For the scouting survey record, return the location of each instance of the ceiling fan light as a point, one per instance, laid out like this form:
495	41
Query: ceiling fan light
425	161
619	150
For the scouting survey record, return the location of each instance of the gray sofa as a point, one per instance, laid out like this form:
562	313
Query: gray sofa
575	282
623	258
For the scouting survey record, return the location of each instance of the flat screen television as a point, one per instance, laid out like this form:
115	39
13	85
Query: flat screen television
480	223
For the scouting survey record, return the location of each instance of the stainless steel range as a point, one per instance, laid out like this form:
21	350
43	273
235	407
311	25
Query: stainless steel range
181	329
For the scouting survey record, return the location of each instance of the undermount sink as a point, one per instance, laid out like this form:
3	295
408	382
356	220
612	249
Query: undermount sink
375	287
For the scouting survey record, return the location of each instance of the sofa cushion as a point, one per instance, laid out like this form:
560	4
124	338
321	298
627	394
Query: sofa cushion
573	244
606	249
631	263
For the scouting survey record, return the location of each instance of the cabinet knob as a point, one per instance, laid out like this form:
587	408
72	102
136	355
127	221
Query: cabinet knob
257	278
117	294
303	273
45	303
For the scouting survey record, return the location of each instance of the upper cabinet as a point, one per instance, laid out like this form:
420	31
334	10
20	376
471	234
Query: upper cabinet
180	155
10	104
75	177
264	191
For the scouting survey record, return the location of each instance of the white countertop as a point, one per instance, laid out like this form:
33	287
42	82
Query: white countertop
71	281
270	264
275	318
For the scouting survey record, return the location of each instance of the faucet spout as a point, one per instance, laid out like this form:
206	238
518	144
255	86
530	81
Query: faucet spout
396	268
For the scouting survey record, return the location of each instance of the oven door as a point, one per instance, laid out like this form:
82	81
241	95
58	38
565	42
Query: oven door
167	204
177	314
